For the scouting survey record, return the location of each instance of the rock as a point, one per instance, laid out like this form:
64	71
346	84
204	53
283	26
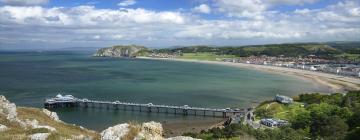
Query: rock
116	132
181	138
39	136
8	109
150	131
3	128
52	115
120	51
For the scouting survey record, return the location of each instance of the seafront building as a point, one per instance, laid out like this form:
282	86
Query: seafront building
283	99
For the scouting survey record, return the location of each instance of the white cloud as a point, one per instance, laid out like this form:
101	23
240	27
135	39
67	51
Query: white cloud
96	37
243	8
86	16
290	2
255	9
203	8
252	24
24	2
126	3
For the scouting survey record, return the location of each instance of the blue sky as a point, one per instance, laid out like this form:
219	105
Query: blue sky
48	24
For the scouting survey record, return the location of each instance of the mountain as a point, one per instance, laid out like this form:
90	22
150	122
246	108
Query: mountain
121	51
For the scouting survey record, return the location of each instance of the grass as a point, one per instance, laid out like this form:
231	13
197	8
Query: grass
134	129
281	111
63	130
204	56
349	56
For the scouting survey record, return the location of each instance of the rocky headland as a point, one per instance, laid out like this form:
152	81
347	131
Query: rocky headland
121	51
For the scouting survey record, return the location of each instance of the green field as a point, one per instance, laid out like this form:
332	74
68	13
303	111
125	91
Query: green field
204	56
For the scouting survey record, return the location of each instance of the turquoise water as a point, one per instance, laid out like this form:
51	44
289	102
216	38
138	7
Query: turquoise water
26	78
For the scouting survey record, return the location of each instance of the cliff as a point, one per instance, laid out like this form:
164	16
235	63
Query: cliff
121	51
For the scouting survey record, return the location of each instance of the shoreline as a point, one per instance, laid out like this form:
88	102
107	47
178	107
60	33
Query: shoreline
335	83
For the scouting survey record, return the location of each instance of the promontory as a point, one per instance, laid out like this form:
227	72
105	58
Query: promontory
121	51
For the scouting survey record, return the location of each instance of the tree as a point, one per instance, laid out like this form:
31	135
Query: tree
301	120
329	127
354	120
353	135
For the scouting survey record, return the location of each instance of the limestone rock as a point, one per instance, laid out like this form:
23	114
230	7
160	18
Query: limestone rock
116	132
150	131
52	115
39	136
120	51
8	109
3	128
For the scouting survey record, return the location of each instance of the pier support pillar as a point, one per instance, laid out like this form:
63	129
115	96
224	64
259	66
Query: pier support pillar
204	112
149	109
224	114
185	112
158	110
116	106
195	112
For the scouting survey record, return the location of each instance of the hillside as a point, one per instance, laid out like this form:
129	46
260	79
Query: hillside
312	116
325	50
121	51
33	123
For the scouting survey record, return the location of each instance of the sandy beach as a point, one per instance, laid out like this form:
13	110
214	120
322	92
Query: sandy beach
335	83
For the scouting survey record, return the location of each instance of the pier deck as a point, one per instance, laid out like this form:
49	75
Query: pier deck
70	101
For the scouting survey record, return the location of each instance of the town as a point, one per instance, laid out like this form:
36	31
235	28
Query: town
350	68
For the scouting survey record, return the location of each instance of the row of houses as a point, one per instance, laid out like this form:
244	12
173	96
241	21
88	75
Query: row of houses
351	70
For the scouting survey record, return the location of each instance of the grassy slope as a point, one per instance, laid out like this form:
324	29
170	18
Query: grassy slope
63	130
204	56
282	111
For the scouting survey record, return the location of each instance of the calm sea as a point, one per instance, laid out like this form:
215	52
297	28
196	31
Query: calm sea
27	78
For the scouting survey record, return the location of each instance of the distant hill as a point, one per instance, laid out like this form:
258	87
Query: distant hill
122	51
329	49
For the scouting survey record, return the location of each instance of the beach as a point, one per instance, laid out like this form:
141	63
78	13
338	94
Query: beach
335	83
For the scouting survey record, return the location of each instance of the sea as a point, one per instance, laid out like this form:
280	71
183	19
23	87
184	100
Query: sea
27	78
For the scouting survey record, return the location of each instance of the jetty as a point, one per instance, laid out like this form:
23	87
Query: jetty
69	101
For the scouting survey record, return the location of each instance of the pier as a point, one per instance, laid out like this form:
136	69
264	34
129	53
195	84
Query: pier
70	101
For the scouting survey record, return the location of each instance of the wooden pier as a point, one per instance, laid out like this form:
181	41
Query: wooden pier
69	101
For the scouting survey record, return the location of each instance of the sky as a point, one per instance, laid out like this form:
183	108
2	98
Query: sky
48	24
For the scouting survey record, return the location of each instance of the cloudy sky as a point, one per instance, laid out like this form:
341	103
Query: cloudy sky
162	23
